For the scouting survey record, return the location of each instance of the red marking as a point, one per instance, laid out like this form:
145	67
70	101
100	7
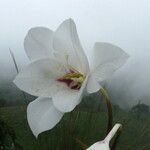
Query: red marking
71	71
70	83
67	81
75	87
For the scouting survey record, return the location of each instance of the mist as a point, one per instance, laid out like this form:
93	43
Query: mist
124	23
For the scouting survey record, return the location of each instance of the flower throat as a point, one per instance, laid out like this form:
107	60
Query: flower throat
73	79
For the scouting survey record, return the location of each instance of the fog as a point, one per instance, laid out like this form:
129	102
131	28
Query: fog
124	23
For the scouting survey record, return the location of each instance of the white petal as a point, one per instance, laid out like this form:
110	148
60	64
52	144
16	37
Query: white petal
108	58
92	85
42	115
67	99
38	43
68	47
99	146
39	78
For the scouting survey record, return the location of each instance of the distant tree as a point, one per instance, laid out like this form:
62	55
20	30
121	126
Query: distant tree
140	110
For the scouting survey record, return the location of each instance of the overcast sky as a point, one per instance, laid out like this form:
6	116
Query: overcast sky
125	23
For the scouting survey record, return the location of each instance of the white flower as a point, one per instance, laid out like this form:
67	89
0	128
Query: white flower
104	145
59	72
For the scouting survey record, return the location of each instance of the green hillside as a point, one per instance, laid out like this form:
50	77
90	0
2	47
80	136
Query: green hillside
84	126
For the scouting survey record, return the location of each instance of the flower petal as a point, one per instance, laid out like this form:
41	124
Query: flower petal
38	43
101	145
68	47
92	85
42	115
108	58
39	78
67	99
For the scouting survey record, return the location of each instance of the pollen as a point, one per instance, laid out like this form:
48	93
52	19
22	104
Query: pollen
73	79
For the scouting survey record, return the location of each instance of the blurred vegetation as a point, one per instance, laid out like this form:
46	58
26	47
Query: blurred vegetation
10	95
8	137
87	123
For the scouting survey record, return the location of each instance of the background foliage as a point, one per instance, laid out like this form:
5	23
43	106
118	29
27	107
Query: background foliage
87	124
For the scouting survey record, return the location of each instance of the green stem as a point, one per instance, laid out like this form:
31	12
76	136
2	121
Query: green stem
110	115
17	70
109	108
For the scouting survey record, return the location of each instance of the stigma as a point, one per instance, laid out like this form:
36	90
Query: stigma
73	79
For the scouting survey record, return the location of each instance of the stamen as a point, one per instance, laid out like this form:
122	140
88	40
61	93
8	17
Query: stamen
73	79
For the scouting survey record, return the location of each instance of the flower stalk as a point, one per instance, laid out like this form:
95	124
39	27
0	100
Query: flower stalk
110	132
109	108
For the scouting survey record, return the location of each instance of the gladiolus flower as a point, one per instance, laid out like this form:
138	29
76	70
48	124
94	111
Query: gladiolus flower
59	72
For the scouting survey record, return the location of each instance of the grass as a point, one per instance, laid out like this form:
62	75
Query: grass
86	126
